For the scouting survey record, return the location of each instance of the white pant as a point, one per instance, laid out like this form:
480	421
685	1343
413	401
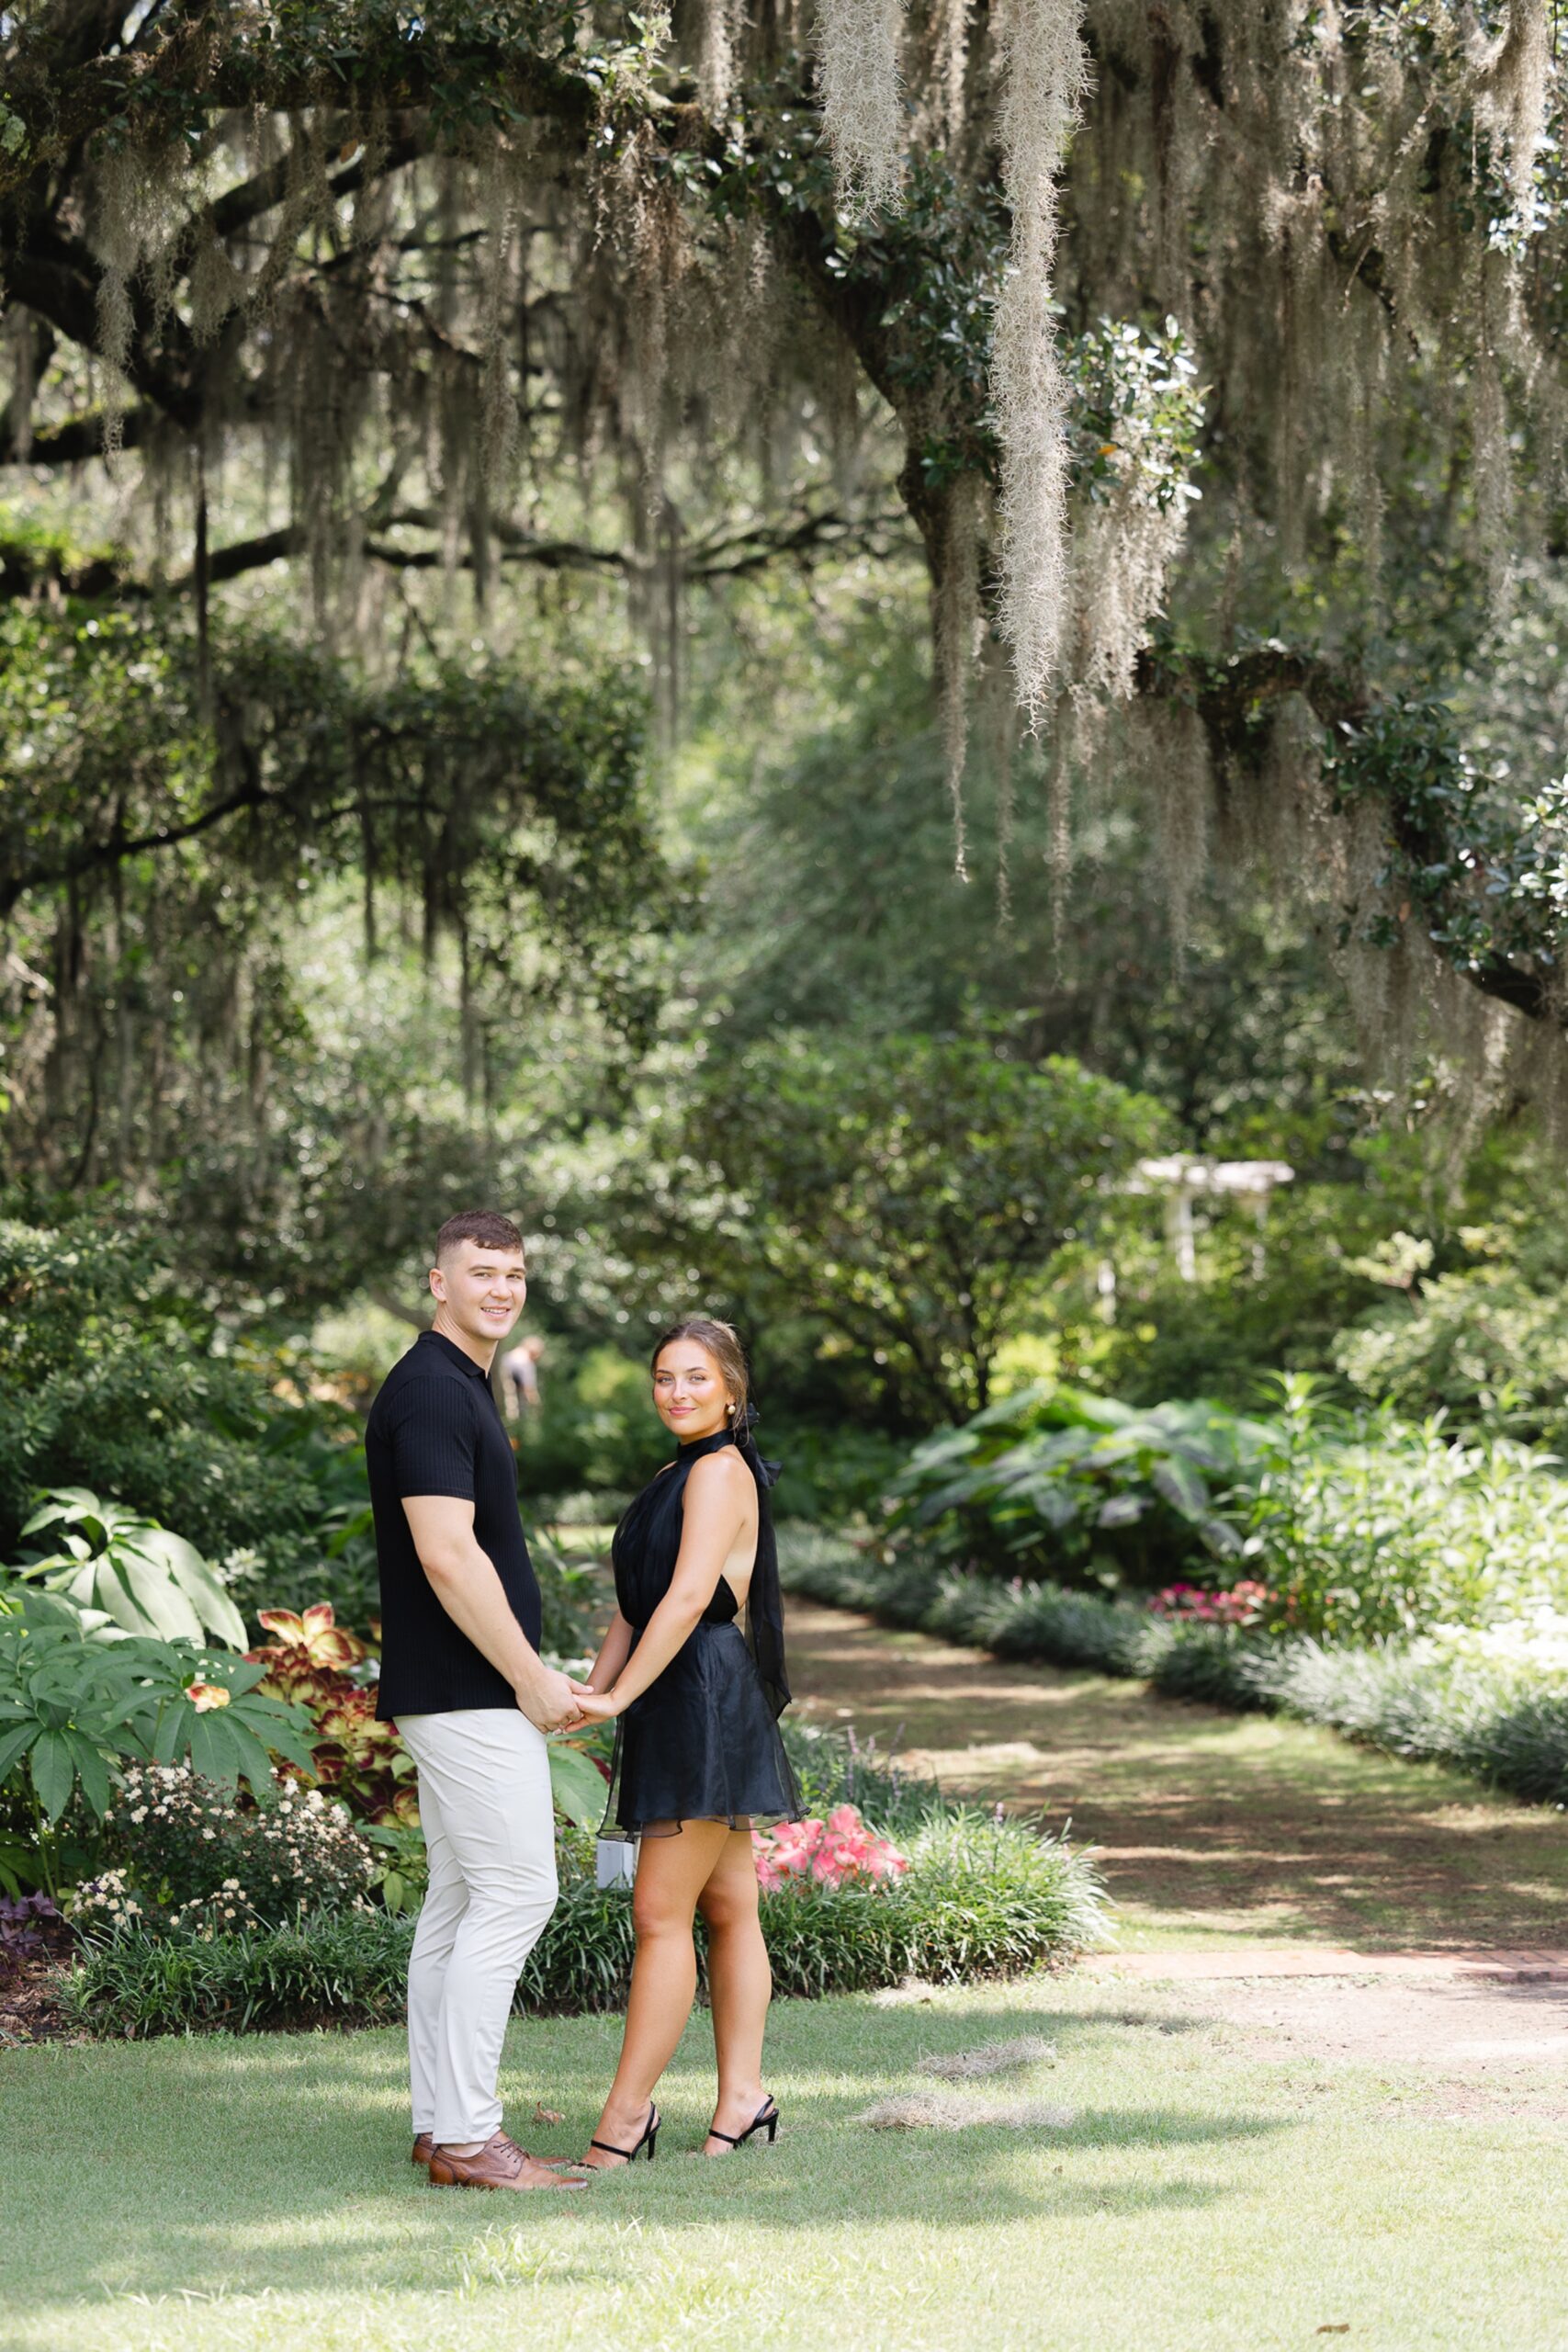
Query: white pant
485	1804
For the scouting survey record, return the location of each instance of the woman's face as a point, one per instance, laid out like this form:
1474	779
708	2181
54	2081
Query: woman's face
689	1394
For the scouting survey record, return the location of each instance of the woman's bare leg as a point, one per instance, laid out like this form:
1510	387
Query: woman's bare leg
741	1986
670	1874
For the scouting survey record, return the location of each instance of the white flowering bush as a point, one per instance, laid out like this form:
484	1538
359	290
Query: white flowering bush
189	1855
1536	1641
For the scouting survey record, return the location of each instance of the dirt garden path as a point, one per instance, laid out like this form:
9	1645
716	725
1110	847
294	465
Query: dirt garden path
1301	1887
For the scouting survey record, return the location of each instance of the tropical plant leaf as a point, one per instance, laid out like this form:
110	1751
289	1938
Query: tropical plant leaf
91	1770
577	1786
53	1771
64	1504
189	1573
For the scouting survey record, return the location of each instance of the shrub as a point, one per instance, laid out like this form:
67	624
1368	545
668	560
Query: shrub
343	1967
832	1768
981	1898
74	1707
1487	1342
307	1663
1354	1524
109	1379
1082	1485
192	1857
1367	1526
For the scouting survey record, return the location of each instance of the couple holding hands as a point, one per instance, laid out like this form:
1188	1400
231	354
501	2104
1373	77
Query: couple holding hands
696	1698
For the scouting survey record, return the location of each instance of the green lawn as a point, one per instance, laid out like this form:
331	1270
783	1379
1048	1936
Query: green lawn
1216	2193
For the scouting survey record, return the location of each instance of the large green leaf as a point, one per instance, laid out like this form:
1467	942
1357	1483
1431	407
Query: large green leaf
15	1744
92	1770
187	1570
65	1505
53	1771
577	1786
147	1578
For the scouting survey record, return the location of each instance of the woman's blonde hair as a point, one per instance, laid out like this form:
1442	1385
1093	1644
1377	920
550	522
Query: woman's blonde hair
722	1341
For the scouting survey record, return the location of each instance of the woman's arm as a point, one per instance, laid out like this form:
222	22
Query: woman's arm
718	1500
613	1652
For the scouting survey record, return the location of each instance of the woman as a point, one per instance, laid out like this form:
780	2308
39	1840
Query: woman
698	1757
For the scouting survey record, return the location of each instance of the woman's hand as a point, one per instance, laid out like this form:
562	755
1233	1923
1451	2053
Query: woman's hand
599	1706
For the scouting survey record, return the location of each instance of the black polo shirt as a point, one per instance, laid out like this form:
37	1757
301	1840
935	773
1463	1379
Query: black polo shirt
435	1429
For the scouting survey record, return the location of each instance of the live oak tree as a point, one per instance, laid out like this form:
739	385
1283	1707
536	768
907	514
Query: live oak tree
903	1200
1038	271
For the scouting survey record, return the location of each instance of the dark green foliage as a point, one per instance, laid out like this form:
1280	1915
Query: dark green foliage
594	1427
980	1899
906	1194
1072	1484
108	1380
348	1967
72	1709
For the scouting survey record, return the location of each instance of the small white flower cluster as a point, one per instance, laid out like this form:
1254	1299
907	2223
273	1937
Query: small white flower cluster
1538	1640
106	1901
205	1863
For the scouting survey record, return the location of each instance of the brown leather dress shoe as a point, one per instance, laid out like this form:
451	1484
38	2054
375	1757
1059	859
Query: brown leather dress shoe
499	2164
420	2152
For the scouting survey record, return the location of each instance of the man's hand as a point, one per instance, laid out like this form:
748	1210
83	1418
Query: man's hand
549	1699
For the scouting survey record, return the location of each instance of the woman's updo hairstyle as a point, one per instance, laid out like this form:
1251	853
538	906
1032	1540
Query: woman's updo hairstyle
723	1343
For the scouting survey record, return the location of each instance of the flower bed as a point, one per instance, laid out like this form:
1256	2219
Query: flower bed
1494	1702
977	1898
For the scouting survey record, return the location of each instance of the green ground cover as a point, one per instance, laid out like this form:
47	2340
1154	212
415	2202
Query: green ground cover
1204	2196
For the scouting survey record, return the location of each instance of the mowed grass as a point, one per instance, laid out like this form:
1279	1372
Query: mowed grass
1214	2193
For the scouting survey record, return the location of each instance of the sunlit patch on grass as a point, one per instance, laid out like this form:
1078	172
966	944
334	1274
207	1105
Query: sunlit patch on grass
515	2257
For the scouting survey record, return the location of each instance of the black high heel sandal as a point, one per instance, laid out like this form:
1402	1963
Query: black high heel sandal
649	2140
766	2118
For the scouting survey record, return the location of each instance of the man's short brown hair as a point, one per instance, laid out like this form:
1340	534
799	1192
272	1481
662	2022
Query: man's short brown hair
487	1229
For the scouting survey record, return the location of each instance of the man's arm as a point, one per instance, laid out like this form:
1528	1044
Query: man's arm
464	1581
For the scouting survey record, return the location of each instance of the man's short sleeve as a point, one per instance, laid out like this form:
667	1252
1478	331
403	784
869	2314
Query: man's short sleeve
433	1440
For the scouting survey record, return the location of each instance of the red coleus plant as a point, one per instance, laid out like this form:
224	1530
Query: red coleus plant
361	1761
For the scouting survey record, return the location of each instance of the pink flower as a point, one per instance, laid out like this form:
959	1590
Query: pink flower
831	1853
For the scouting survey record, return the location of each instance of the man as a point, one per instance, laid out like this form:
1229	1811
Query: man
462	1676
520	1372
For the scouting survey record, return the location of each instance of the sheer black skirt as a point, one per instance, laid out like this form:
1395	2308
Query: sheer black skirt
702	1745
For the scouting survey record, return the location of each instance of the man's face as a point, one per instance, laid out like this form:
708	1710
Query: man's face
482	1290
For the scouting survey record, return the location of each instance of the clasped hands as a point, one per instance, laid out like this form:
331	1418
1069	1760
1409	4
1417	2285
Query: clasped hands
562	1704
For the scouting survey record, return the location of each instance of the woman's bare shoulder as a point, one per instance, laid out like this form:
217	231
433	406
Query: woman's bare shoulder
719	1473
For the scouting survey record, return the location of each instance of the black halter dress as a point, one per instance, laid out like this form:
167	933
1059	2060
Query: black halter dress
702	1743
